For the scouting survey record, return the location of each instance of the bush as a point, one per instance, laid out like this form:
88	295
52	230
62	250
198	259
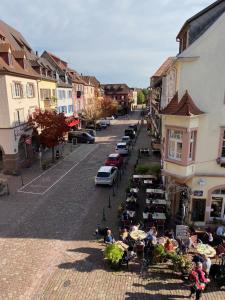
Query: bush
142	169
182	263
155	168
113	253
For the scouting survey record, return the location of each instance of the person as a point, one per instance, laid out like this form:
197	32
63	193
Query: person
57	154
206	265
134	227
124	235
125	215
196	286
139	246
221	231
198	259
169	247
109	238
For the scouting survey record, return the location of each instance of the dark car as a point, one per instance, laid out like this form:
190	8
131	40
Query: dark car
130	132
92	132
96	127
133	126
80	137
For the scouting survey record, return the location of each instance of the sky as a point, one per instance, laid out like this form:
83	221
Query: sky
118	41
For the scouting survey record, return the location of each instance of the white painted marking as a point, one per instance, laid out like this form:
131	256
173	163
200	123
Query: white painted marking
43	193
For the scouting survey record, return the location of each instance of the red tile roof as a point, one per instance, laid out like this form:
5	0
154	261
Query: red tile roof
172	105
185	107
164	67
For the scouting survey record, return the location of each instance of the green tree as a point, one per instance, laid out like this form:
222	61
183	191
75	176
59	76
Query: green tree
140	97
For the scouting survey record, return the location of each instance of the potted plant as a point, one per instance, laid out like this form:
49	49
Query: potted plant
182	264
158	253
113	253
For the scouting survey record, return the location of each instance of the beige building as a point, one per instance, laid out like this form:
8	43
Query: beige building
193	122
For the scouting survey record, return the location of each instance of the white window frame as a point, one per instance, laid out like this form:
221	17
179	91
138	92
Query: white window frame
17	90
30	90
191	146
175	137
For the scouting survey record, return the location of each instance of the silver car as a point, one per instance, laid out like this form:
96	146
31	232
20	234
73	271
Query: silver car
106	175
122	148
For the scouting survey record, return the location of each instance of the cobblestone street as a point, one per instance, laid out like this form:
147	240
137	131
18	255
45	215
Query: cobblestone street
47	246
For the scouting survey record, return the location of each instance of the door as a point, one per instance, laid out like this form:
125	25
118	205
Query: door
198	210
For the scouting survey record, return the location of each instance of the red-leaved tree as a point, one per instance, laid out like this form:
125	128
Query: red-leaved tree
51	127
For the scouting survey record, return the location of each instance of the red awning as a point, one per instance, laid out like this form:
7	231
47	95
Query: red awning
73	123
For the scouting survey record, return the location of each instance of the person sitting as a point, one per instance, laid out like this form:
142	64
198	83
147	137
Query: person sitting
221	231
197	259
206	265
169	246
109	238
124	235
125	215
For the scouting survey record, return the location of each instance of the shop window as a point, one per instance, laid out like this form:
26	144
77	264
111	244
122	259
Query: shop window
216	207
198	210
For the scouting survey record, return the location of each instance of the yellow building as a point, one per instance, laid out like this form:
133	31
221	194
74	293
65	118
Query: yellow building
46	85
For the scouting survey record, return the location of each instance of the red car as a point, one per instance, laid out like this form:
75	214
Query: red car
115	160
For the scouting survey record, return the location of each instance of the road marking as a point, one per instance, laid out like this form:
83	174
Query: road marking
20	190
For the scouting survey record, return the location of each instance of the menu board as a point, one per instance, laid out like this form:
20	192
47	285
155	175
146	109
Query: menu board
182	231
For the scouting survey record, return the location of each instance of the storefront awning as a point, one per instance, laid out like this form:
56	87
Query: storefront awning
74	123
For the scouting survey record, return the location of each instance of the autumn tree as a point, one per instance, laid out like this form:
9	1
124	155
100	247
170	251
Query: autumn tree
108	107
51	127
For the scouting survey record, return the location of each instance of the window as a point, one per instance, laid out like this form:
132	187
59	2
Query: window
223	145
17	90
30	90
216	207
19	117
64	109
45	94
192	146
70	108
61	94
175	144
69	94
198	210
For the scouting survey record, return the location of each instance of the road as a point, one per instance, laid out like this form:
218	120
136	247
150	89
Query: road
47	247
63	206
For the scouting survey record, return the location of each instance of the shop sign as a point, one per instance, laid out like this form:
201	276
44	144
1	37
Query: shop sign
198	193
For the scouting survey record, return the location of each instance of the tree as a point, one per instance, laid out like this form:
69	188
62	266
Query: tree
140	97
51	127
108	107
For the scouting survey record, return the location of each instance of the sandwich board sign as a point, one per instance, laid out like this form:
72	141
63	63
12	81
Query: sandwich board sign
182	232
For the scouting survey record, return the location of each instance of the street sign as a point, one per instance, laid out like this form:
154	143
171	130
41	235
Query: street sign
182	232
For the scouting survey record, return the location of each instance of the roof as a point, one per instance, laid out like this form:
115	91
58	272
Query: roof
164	67
91	80
207	22
4	47
185	107
116	88
105	169
114	155
16	39
19	53
172	105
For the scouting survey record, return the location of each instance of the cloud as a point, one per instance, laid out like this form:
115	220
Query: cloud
119	40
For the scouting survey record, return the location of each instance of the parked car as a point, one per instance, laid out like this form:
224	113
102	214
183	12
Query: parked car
126	139
105	121
81	137
106	175
92	132
110	118
115	160
133	126
102	124
122	148
130	132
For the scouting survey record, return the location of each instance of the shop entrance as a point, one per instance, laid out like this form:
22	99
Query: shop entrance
218	204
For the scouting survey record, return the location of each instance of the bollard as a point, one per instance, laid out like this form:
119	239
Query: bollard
109	206
113	191
21	177
103	215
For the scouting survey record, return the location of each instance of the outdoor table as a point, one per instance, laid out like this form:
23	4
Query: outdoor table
159	201
147	181
144	176
134	190
158	216
138	234
206	249
131	213
155	191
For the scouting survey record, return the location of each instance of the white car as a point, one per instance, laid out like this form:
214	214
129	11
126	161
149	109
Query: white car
126	139
122	148
110	118
106	175
106	121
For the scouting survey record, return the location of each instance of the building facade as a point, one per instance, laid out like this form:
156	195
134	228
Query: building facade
193	122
